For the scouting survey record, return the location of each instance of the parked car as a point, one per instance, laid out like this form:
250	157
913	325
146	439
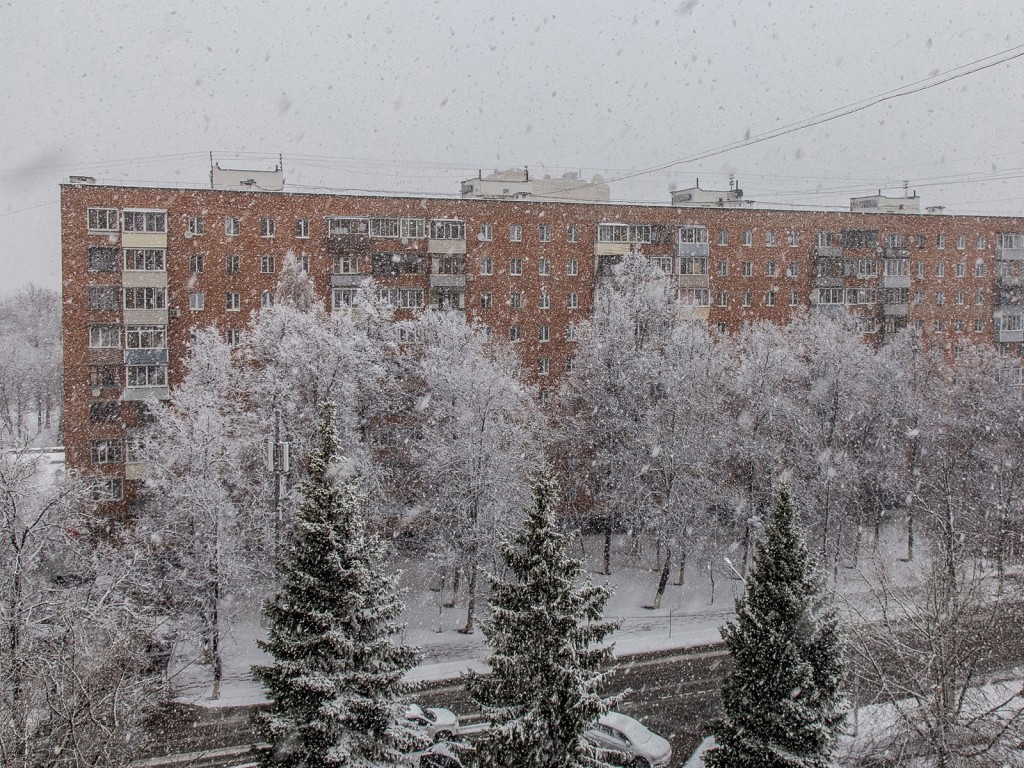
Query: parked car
438	756
440	724
622	734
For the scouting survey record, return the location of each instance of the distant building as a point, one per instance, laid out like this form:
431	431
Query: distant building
695	197
253	181
881	204
516	183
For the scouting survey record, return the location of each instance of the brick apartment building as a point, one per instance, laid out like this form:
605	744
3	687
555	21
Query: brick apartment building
143	266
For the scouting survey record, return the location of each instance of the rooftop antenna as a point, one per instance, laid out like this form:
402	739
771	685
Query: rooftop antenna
905	185
732	182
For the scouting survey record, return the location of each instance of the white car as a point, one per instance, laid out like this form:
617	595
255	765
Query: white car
619	733
439	724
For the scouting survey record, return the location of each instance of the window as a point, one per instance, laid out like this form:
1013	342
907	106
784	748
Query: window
860	296
769	299
979	325
515	266
544	267
514	334
830	296
233	301
793	238
860	238
104	376
723	298
771	269
343	297
979	297
862	268
196	263
723	237
486	233
106	336
302	228
303	262
572	301
723	269
624	233
920	270
917	325
410	298
267	265
103	298
895	241
980	244
572	234
397	264
515	233
544	233
664	263
746	298
413	229
102	259
793	270
233	337
918	297
145	298
572	267
794	298
979	268
146	376
960	268
544	333
107	489
486	266
104	412
544	300
448	229
921	241
570	334
346	264
961	242
959	297
146	337
148	259
145	221
691	234
821	239
940	298
940	326
267	299
102	219
940	242
515	300
940	270
233	263
338	226
384	227
232	226
543	366
769	238
896	267
268	226
485	300
748	268
748	238
196	301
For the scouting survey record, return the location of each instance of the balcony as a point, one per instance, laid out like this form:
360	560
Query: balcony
1011	281
1004	336
692	250
827	252
144	279
827	281
895	310
446	247
889	252
147	356
347	281
693	281
145	317
1010	254
146	393
447	281
143	239
895	281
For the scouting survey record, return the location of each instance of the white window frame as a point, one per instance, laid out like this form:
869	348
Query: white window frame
383	226
268	227
572	300
572	234
145	298
302	229
447	229
543	266
412	229
544	233
196	301
268	264
105	336
232	226
150	259
233	301
148	220
515	233
572	267
486	266
145	337
544	300
486	233
102	219
136	376
340	226
515	267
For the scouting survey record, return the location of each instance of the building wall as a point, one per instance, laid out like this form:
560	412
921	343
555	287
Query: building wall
743	272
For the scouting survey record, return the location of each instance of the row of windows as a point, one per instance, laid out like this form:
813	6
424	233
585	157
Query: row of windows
516	300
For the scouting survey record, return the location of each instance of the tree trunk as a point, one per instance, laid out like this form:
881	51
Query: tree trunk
663	580
682	568
608	549
456	583
711	577
470	601
216	662
910	535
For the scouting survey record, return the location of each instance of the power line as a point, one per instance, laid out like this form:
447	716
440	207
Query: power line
963	70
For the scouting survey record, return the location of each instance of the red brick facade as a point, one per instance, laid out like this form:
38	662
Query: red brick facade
948	276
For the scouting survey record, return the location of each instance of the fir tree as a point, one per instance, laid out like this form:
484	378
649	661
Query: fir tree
782	701
543	629
335	683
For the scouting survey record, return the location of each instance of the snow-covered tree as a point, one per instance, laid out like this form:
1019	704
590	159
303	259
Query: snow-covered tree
545	629
479	434
783	700
336	679
30	346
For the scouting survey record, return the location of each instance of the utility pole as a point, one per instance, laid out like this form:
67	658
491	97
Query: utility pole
278	463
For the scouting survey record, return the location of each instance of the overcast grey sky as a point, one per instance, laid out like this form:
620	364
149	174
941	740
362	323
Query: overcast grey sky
414	96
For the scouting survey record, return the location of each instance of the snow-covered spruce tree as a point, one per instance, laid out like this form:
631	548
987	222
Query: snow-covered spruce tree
335	683
783	704
543	629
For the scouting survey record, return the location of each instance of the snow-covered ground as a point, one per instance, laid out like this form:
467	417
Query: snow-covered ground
688	617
